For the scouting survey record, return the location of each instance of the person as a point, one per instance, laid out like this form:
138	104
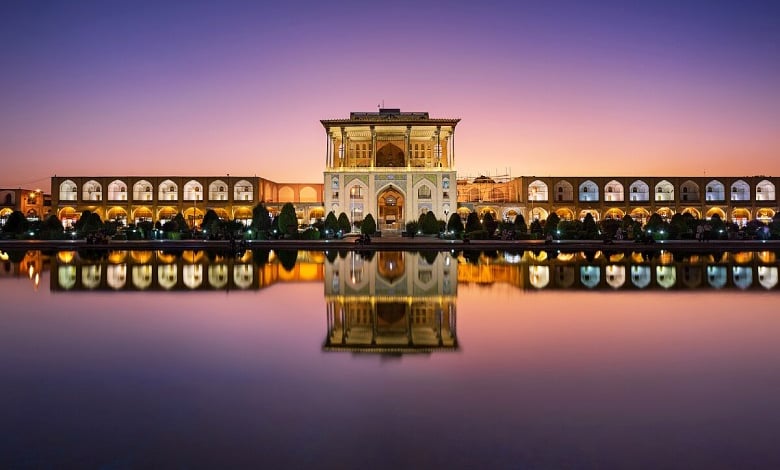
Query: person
700	233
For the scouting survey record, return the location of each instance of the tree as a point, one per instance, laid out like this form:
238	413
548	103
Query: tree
489	223
344	224
551	226
520	225
331	224
590	227
455	224
288	220
15	223
261	218
368	226
208	219
536	228
430	225
472	222
88	222
181	221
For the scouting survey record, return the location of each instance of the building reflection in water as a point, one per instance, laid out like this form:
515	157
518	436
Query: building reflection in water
391	302
23	263
623	270
185	270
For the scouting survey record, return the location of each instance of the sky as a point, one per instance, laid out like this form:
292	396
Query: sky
683	88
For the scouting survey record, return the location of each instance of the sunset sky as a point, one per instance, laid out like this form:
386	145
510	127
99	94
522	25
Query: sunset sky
542	88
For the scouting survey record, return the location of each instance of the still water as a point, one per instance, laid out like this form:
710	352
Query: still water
132	359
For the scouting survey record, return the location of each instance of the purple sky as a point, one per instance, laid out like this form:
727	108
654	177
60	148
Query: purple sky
543	88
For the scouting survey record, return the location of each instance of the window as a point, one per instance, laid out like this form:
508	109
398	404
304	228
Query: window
424	192
356	192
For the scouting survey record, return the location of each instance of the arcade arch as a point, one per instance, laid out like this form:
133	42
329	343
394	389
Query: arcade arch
639	191
740	191
613	192
715	191
142	191
117	191
537	191
168	191
564	191
689	191
243	191
589	191
664	191
92	191
68	191
218	191
765	191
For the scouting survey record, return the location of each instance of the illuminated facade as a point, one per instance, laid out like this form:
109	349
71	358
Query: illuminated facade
159	198
391	302
737	200
391	164
31	202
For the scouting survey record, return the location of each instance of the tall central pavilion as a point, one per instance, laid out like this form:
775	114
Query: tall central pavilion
394	165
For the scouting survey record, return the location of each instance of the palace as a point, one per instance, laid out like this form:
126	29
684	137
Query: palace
737	200
398	165
132	199
391	164
31	202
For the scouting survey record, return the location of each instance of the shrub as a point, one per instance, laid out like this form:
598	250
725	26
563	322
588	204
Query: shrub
368	226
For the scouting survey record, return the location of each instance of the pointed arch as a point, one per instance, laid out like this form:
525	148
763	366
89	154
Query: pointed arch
689	192
92	191
117	191
564	191
588	191
740	191
765	191
68	191
715	191
243	191
613	191
537	191
142	191
639	191
218	191
168	191
193	191
664	191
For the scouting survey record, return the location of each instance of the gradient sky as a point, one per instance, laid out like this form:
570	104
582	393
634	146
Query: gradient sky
542	88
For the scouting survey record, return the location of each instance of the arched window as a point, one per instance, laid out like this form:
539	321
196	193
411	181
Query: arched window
564	191
68	191
640	191
243	191
715	191
589	191
740	191
765	191
193	191
92	191
142	191
664	191
168	191
424	192
537	191
217	191
117	191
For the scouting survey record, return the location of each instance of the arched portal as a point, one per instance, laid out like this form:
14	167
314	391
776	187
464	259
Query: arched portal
614	213
166	213
142	214
740	216
243	214
716	211
666	213
117	214
594	213
193	216
765	215
565	213
391	208
693	211
390	155
640	215
68	216
537	213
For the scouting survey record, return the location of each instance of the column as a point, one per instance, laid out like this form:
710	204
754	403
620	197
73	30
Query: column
344	146
373	146
452	158
437	147
327	149
408	141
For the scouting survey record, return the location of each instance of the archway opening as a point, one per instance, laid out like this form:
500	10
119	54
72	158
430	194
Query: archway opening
390	155
391	209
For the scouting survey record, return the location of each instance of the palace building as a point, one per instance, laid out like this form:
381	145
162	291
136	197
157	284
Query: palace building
391	164
132	199
733	199
396	166
31	202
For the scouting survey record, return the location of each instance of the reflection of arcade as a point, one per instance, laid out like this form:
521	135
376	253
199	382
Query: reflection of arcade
22	263
185	270
391	302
